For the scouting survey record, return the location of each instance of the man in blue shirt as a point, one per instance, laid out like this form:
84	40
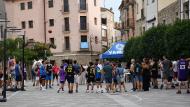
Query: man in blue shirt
77	71
18	74
42	75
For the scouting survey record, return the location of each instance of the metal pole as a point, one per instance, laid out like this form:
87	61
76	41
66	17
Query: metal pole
5	62
23	45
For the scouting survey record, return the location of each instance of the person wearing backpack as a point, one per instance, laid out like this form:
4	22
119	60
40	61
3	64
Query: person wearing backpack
120	77
90	77
77	74
70	76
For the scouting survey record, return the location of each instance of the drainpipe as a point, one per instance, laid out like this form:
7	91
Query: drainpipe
44	3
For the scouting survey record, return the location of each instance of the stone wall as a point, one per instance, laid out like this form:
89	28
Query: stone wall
169	14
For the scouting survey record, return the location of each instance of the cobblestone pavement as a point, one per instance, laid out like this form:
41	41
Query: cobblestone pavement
33	97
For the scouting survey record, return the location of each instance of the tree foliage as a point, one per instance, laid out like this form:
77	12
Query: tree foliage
15	46
169	40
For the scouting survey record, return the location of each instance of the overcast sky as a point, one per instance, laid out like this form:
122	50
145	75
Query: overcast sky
115	5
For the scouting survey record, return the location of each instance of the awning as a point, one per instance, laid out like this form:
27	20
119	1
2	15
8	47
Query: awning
116	51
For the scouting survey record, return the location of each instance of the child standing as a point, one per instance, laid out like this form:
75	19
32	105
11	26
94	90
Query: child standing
62	75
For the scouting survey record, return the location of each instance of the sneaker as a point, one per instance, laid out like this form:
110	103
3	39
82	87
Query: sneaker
50	86
76	91
46	87
87	91
63	91
102	91
162	86
43	89
178	92
58	91
125	90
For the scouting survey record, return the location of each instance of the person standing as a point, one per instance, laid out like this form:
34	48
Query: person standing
182	73
120	77
90	77
48	74
146	74
1	76
82	76
62	75
133	74
139	78
98	76
18	75
77	71
42	76
166	64
70	76
107	69
55	70
154	71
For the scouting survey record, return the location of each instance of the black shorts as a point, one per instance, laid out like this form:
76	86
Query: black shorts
169	78
98	79
55	76
70	78
62	82
115	81
90	80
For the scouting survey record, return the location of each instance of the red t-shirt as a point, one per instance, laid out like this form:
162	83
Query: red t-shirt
55	69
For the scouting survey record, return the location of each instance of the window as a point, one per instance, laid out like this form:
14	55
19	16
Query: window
30	23
137	8
22	6
83	38
94	2
164	21
67	43
51	22
152	24
30	5
51	40
50	3
82	4
66	6
66	19
95	21
23	24
83	24
104	21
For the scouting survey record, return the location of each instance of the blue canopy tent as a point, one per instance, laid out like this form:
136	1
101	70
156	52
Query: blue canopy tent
116	51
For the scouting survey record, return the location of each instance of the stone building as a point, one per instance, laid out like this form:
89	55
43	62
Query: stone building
71	25
169	14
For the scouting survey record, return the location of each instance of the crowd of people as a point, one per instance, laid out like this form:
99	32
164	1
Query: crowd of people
14	74
142	74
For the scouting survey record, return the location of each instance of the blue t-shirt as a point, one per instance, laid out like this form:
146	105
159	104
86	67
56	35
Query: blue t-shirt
76	68
98	72
120	71
42	70
17	71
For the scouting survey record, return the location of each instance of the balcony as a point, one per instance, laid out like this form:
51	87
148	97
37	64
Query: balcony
130	2
130	23
84	46
142	14
83	27
83	8
65	9
66	29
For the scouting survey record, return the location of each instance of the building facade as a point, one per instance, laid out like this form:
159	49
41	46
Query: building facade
71	25
169	14
107	22
184	9
147	13
2	18
127	18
